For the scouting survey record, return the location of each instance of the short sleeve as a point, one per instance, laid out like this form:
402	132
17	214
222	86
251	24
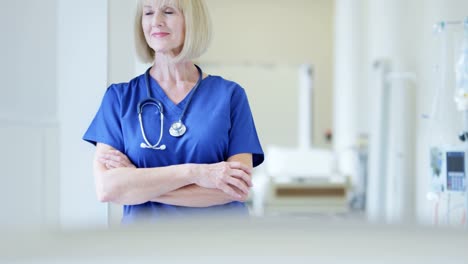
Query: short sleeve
106	126
243	136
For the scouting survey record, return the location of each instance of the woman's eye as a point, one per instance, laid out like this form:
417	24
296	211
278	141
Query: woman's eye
149	13
168	11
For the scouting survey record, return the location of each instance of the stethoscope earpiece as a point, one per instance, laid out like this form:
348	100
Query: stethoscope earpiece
144	145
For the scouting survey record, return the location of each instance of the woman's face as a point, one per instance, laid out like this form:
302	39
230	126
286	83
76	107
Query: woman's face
164	28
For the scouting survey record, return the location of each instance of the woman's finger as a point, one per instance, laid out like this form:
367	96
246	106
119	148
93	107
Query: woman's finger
230	191
108	166
240	166
114	157
239	174
118	157
114	164
111	164
105	163
239	184
124	159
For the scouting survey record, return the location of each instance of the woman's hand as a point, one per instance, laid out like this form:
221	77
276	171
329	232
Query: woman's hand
115	159
233	178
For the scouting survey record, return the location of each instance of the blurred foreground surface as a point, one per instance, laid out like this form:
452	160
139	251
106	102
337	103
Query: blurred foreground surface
277	240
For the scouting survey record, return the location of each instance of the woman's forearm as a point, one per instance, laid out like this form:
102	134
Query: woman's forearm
196	196
135	186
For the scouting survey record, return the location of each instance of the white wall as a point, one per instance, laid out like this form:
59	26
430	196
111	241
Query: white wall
122	62
54	73
282	34
28	59
81	83
28	122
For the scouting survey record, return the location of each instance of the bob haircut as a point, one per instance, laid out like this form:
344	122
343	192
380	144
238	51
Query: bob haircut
197	29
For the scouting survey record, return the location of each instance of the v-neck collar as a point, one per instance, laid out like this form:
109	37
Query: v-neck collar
155	87
167	102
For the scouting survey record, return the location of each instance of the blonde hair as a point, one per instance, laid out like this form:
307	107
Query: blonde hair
197	30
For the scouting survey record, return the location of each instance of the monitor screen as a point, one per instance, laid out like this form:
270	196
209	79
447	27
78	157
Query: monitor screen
455	161
456	171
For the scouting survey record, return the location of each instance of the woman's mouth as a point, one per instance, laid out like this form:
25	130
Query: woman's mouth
160	34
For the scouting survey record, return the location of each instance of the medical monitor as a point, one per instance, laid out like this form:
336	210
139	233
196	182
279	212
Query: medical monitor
456	166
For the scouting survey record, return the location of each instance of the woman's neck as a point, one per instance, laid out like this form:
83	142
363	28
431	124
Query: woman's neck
164	70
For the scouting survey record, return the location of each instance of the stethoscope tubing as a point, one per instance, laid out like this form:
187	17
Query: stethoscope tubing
140	119
153	101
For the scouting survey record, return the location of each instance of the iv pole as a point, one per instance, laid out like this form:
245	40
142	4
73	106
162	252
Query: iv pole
461	96
461	99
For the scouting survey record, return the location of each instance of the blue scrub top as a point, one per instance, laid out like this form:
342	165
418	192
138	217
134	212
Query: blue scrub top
219	125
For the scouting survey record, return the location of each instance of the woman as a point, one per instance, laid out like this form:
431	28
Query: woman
174	141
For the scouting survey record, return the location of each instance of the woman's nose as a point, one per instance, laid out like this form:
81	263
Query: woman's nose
158	19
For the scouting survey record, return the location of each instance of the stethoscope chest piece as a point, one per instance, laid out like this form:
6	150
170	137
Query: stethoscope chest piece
177	129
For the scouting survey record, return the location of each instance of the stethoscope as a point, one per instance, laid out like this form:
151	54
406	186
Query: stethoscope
177	128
